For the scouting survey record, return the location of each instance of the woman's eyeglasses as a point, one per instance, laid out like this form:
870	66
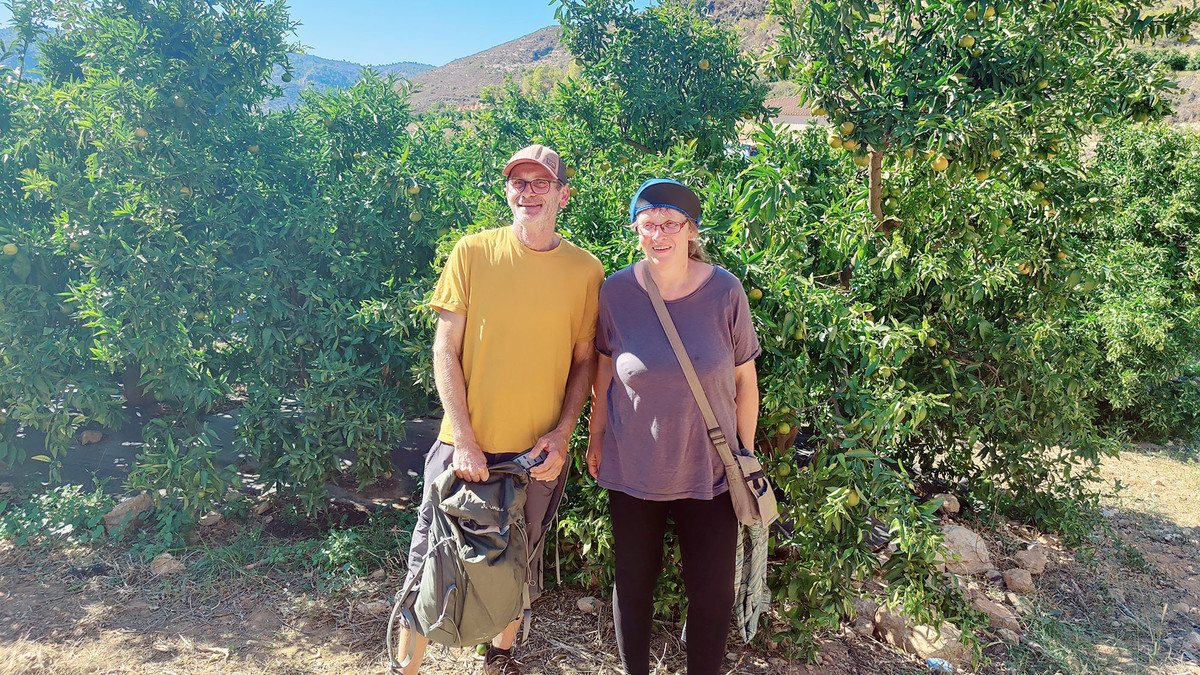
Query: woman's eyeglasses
667	227
540	186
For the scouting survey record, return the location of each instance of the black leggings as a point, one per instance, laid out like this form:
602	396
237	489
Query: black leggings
707	531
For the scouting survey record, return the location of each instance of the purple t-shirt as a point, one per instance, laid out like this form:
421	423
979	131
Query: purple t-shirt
656	446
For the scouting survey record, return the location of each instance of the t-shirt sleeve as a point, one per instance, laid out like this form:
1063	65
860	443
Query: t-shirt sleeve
591	305
604	325
451	293
745	339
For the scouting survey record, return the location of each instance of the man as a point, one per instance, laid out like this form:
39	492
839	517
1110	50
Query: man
513	359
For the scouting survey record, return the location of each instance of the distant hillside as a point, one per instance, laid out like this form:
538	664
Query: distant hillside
308	72
459	82
749	18
314	72
7	35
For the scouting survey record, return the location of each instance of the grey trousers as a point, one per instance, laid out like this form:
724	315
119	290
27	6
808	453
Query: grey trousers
541	505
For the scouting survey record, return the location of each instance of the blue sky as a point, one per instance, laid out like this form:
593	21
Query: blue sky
427	31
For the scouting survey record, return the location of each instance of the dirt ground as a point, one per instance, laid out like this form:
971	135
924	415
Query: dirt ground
1125	604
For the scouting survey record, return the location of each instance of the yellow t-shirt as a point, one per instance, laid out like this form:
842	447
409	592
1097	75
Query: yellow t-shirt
526	310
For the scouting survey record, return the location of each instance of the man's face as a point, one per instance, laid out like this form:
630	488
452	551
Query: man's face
528	207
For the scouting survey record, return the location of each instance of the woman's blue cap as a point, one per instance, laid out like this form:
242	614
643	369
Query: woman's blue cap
665	193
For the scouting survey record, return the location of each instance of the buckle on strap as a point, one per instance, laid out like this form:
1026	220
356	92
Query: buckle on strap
717	436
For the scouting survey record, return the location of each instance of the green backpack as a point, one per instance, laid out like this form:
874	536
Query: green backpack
472	583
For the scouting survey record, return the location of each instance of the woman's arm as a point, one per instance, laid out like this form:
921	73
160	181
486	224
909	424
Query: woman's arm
598	419
745	399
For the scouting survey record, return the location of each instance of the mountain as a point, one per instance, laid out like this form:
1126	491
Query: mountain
459	82
7	36
749	18
307	72
314	72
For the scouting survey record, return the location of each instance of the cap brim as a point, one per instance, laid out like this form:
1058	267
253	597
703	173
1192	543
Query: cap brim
669	195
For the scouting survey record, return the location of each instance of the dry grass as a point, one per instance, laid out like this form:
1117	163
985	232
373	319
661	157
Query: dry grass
1114	607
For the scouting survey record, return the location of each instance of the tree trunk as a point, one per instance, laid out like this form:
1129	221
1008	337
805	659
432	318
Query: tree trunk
875	197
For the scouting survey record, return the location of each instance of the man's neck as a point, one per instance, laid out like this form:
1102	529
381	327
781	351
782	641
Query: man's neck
537	237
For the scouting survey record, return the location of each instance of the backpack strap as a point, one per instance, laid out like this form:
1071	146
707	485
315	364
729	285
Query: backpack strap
403	608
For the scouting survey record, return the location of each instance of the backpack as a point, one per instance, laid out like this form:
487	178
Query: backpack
472	583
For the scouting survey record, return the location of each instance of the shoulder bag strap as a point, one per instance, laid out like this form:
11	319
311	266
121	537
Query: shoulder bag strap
710	418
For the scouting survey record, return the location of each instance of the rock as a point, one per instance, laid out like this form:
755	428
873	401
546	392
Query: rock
90	437
731	656
864	621
998	615
891	626
377	608
128	513
946	643
966	551
1181	608
211	519
1032	560
6	488
950	505
1192	641
165	564
1018	580
262	507
1009	636
588	605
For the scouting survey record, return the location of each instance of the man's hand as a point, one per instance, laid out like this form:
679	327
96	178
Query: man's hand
470	464
595	451
554	444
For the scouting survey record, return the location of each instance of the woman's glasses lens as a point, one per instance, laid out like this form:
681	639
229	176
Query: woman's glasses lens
669	227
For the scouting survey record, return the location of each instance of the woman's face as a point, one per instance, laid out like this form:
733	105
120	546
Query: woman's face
658	245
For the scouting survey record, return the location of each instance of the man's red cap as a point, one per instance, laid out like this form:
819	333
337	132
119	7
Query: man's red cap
542	156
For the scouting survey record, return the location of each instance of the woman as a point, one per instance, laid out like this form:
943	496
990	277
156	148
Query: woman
648	444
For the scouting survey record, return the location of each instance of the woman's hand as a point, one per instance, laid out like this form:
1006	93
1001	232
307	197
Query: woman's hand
595	450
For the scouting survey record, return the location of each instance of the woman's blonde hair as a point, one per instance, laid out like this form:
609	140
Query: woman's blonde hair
696	249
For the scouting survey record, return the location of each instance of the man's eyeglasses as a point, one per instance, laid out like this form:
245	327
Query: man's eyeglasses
540	186
667	227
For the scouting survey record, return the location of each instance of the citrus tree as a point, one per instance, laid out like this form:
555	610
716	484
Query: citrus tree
1146	261
966	119
169	246
116	171
676	75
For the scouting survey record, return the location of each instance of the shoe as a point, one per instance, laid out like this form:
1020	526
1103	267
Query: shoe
500	662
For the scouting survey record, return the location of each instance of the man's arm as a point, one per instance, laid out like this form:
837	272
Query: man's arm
469	462
579	381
